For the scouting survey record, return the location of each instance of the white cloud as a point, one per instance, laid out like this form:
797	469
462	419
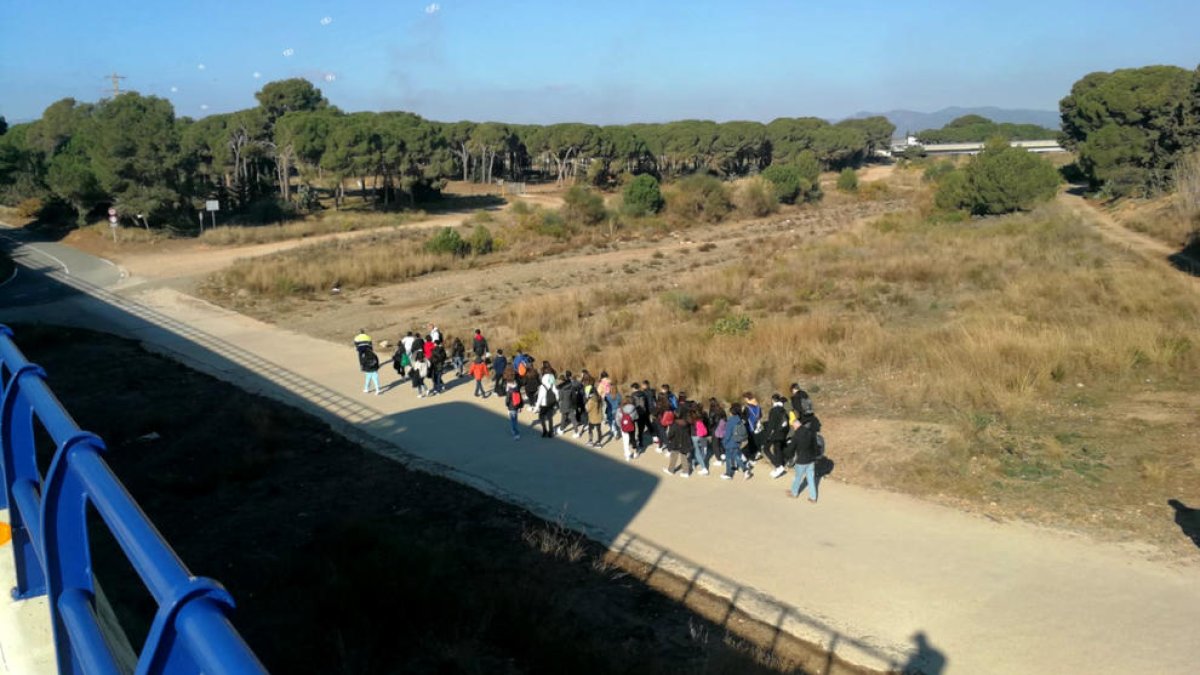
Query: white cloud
433	8
289	51
325	21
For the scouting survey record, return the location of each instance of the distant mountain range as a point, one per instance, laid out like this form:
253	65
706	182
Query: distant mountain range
911	120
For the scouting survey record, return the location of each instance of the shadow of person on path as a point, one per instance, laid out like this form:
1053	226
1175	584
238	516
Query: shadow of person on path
926	660
1188	520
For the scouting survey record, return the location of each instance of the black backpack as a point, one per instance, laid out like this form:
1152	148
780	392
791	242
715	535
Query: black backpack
551	397
367	359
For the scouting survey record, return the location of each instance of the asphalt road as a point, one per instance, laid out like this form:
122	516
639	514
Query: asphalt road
37	258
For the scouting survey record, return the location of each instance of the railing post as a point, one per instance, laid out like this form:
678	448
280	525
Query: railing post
65	539
20	464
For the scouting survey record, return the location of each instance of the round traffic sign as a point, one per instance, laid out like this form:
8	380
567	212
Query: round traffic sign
112	219
112	211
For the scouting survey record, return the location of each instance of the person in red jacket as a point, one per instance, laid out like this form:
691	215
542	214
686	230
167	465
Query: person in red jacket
479	370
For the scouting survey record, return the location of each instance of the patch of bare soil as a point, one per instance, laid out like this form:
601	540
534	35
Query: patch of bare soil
462	298
344	561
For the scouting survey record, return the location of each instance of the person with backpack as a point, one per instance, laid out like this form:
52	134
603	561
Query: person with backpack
458	357
406	342
595	417
513	401
479	370
678	446
547	403
775	433
418	373
672	399
499	364
627	423
479	345
435	333
400	363
803	446
733	440
802	403
368	362
437	364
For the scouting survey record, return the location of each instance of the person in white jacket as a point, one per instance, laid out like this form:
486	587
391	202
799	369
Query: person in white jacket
547	404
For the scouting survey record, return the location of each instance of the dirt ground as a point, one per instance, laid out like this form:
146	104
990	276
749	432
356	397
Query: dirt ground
343	561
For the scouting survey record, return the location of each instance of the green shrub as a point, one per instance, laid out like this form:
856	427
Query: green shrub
738	324
798	181
1001	179
847	180
447	240
756	197
934	172
699	197
581	206
642	196
481	241
267	211
551	224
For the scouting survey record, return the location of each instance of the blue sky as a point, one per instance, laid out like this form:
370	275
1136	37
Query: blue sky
603	62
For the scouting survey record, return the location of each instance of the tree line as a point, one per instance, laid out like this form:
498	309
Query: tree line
979	129
133	153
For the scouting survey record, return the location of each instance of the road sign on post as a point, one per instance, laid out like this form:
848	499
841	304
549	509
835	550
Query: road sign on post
212	206
112	222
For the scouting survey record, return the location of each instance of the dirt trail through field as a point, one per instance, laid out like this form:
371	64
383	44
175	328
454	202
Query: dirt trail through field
1145	246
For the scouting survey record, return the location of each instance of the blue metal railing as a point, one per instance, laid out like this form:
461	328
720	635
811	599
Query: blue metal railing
191	632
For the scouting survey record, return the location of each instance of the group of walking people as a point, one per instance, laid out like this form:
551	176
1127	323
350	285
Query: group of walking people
694	433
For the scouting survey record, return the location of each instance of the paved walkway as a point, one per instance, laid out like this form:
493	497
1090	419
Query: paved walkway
884	579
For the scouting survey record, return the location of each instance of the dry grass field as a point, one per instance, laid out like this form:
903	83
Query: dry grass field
1019	365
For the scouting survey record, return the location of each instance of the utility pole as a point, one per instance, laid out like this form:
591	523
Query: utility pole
116	80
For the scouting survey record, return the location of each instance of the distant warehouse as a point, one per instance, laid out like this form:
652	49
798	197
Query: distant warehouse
898	147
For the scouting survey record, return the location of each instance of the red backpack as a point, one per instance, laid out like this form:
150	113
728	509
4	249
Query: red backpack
626	423
514	399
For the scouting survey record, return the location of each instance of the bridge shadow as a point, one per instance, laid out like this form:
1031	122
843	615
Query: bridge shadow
254	516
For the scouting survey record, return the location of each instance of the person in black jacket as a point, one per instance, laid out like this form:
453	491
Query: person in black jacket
803	447
775	432
458	354
679	444
802	404
437	363
566	403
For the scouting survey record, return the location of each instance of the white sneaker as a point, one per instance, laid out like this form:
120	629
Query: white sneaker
748	475
668	471
779	471
685	475
703	472
364	391
577	434
726	476
628	458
